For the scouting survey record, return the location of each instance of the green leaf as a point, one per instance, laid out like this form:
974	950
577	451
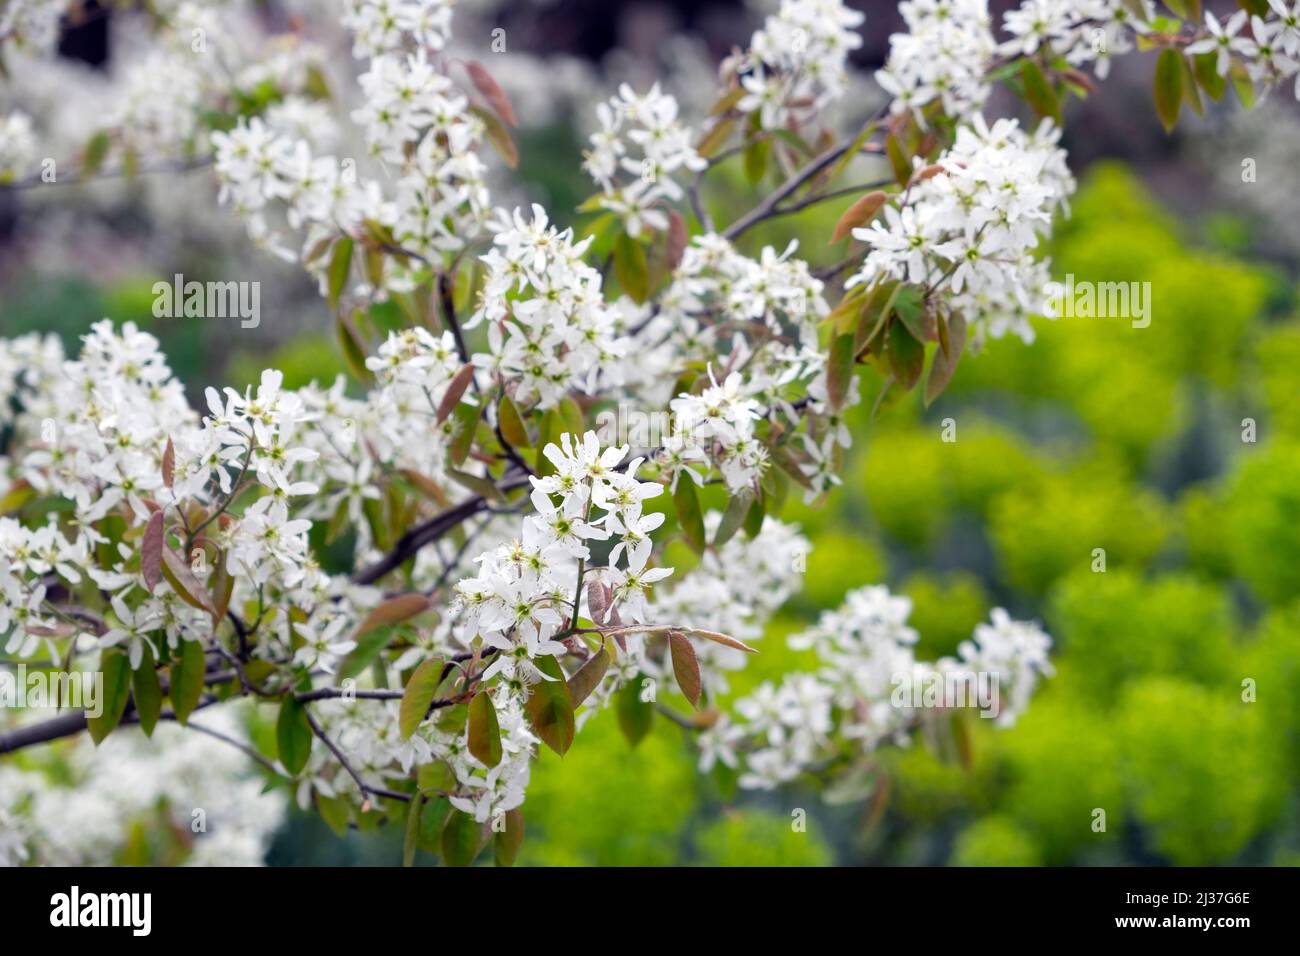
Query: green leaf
187	676
686	666
1169	87
417	696
898	160
733	517
339	267
460	839
635	716
906	355
116	671
411	837
756	157
550	708
367	649
484	731
630	267
466	416
148	693
689	516
1040	96
1204	65
512	423
335	811
354	353
96	153
506	843
293	734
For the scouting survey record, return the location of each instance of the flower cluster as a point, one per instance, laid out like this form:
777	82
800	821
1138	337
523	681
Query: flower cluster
31	26
1270	54
863	696
180	781
1080	31
416	125
384	26
549	328
641	137
798	59
944	56
974	225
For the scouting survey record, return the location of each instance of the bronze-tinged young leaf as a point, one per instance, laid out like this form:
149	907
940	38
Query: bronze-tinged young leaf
116	671
392	611
484	731
714	139
859	214
635	716
151	551
499	136
725	640
188	672
1169	87
586	678
417	697
946	357
686	667
293	734
459	383
188	587
491	91
506	843
839	370
467	417
689	516
169	463
549	707
676	240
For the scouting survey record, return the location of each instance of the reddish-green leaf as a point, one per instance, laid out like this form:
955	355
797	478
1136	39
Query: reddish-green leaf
491	91
151	551
859	214
506	843
549	707
686	667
